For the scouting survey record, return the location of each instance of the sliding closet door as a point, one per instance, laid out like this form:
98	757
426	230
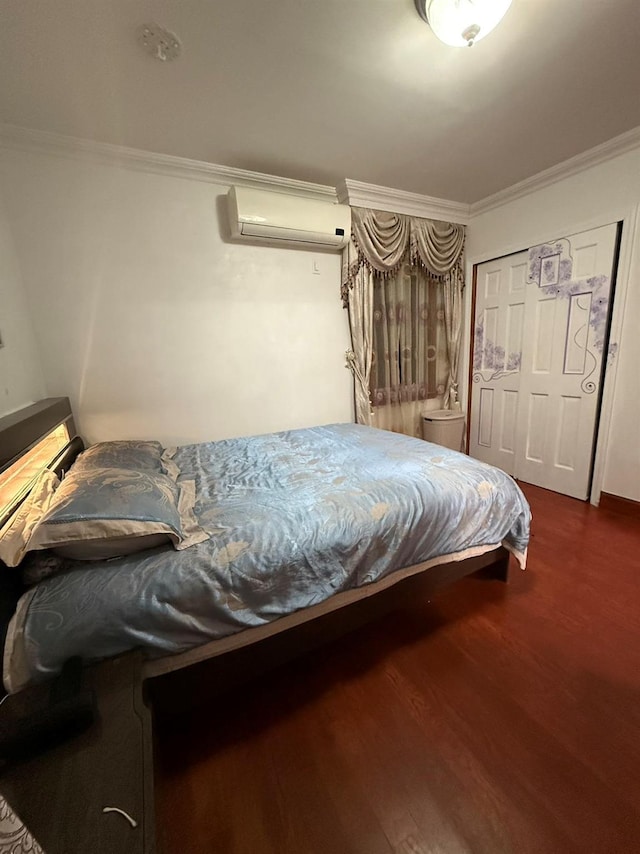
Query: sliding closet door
500	307
566	313
538	359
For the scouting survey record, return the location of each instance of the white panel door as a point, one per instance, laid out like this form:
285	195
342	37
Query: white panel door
500	307
567	307
538	422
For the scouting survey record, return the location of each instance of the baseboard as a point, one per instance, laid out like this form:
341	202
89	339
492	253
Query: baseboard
617	504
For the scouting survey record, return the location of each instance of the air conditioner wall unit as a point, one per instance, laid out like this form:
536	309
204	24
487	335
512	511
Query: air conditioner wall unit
280	219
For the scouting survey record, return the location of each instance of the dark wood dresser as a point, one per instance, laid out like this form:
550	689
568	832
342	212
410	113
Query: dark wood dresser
60	794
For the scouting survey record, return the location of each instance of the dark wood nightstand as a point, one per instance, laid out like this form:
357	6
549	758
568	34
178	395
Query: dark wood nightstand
60	794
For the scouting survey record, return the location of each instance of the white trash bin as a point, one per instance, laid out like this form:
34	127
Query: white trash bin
443	427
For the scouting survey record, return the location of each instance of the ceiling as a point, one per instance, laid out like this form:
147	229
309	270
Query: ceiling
321	90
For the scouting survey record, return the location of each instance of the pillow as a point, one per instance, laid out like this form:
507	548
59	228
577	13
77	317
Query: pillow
140	456
16	534
101	513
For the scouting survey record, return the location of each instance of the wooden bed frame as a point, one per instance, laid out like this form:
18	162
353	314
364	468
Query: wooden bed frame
236	658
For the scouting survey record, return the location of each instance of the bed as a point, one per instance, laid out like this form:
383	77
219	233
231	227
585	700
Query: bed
293	526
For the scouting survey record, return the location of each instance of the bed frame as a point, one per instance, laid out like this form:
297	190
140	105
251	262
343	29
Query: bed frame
236	658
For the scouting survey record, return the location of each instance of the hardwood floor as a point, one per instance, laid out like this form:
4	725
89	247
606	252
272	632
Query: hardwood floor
497	718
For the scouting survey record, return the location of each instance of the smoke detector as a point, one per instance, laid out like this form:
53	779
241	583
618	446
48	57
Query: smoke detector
159	43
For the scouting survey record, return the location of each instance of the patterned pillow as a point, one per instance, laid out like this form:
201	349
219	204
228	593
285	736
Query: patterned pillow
17	533
140	456
100	513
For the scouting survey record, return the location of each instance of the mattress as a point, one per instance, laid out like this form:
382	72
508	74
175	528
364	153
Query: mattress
293	518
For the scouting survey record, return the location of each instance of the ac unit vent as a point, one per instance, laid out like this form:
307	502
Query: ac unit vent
280	219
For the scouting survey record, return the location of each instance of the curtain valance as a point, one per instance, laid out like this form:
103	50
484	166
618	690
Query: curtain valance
382	241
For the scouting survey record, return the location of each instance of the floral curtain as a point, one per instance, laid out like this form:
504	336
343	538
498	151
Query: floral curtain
405	275
410	363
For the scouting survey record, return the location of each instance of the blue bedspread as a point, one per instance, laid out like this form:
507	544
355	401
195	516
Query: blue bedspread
293	518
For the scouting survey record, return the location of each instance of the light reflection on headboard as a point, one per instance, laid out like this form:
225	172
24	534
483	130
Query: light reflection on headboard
16	480
32	439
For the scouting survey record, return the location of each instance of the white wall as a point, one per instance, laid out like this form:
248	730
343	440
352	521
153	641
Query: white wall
21	379
604	193
153	323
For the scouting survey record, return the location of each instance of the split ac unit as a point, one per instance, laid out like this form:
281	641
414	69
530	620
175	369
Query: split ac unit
280	219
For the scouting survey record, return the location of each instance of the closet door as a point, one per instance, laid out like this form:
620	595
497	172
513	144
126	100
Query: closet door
498	329
566	311
539	333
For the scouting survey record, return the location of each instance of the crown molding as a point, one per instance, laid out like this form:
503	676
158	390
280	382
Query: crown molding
573	166
362	195
348	191
28	139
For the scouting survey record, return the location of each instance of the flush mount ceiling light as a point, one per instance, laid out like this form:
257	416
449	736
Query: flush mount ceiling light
461	23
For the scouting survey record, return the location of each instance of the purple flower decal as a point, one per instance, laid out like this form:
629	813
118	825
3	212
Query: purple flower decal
597	287
538	272
566	266
514	362
488	356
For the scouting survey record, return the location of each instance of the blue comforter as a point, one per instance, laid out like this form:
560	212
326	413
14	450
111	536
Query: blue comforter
293	518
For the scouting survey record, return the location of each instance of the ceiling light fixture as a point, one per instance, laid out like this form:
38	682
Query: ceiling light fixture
461	23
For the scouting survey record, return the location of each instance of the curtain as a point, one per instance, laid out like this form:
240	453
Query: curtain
453	285
385	252
382	241
438	246
360	307
410	363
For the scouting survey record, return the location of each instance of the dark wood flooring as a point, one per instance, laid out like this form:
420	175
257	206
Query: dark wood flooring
496	718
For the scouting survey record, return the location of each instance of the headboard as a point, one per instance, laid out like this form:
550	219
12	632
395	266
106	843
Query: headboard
21	434
23	429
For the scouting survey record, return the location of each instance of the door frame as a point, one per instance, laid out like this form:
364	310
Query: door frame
629	217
